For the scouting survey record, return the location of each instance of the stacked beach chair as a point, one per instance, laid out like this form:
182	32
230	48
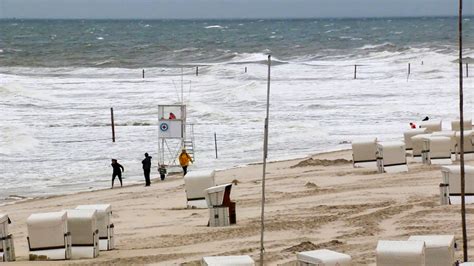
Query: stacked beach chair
85	234
364	152
48	236
71	234
195	183
104	224
221	208
243	260
391	157
450	188
7	249
323	257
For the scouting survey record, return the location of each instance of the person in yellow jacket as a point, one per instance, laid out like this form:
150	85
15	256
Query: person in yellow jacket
184	160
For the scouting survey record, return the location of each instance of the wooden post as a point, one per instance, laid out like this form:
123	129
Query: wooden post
355	71
467	70
245	69
409	69
215	143
143	73
112	123
197	71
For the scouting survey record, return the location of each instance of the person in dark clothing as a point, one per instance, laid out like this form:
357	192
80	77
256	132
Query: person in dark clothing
162	170
146	169
118	169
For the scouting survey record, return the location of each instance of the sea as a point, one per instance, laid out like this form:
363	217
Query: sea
332	81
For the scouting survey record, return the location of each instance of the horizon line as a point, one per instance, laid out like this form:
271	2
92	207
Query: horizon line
237	18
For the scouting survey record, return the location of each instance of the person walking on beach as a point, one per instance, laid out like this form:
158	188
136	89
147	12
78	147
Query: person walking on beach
118	169
412	125
184	160
146	169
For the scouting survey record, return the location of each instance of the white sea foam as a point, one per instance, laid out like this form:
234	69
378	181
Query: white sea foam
61	116
214	27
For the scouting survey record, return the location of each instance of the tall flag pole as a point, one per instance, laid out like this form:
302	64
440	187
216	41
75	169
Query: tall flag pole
265	152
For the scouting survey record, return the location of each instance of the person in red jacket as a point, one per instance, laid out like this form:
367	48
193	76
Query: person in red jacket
412	125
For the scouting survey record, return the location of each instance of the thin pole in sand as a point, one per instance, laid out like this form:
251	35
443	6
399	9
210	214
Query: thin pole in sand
355	71
461	116
409	71
245	69
197	71
215	143
467	70
265	152
112	123
143	73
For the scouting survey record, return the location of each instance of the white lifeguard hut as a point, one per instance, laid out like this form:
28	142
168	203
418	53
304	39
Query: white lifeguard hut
174	133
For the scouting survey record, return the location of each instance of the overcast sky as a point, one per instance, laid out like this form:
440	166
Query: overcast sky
186	9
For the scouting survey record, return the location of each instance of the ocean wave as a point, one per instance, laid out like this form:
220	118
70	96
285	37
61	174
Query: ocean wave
214	27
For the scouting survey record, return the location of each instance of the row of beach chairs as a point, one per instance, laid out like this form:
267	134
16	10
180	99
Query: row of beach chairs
69	234
418	250
429	143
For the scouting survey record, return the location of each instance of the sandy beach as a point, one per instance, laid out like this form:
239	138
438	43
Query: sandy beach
316	202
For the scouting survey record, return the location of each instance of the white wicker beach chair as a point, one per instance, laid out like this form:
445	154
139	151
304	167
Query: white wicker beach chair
436	150
468	142
7	249
391	157
48	236
395	253
431	126
439	249
451	135
104	224
84	233
195	184
456	125
417	145
451	184
323	257
410	133
363	152
228	261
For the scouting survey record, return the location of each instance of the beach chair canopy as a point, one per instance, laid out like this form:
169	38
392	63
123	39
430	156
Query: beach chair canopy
453	174
83	225
228	261
364	150
196	182
104	215
439	249
324	257
431	125
47	230
389	253
456	125
410	133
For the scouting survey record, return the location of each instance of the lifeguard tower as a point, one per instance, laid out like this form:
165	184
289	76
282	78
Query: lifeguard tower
174	134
